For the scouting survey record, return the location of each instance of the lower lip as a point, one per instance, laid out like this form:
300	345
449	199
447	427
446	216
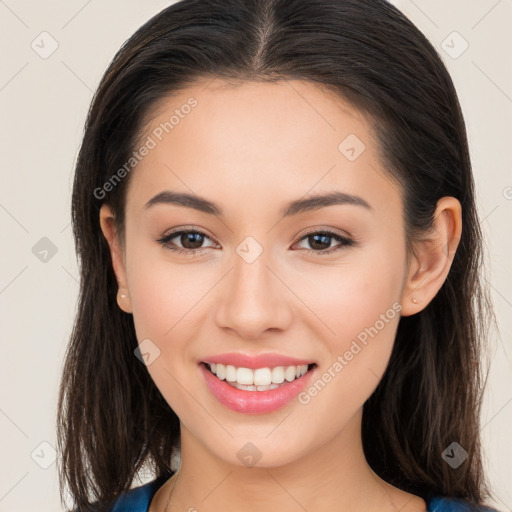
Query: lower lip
254	402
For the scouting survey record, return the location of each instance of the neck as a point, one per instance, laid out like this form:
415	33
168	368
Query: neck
335	476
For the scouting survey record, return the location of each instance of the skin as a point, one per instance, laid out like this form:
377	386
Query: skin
251	148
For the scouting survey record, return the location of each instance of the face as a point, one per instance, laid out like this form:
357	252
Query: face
320	284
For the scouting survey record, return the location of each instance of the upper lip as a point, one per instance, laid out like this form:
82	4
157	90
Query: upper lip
269	360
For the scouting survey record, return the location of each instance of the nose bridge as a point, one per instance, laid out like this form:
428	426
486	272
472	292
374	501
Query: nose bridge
254	299
251	275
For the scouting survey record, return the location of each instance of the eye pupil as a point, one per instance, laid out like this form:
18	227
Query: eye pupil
320	241
193	238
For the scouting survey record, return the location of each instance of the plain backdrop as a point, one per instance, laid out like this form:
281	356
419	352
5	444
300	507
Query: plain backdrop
53	55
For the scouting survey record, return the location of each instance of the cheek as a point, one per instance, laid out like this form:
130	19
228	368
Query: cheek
165	303
352	295
156	303
163	294
358	305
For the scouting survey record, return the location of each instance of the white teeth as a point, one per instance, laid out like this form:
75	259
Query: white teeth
254	388
262	377
278	374
266	388
221	371
289	373
230	373
245	376
259	379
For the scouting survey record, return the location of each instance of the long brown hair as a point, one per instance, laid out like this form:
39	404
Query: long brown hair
112	420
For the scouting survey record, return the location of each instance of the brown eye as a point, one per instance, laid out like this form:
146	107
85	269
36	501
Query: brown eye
191	240
184	241
320	241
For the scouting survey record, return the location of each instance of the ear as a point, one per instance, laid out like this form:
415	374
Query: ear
108	227
432	257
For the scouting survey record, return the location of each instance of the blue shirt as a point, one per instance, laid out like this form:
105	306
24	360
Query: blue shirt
139	499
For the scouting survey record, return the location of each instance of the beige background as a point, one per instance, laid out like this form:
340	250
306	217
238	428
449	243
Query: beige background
43	104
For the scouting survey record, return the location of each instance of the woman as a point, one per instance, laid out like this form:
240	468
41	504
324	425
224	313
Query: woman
275	215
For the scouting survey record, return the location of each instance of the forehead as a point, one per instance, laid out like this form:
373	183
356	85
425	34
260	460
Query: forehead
257	141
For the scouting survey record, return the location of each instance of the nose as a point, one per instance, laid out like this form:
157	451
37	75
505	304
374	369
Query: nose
253	300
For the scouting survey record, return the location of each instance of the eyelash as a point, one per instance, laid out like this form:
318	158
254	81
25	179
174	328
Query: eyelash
344	241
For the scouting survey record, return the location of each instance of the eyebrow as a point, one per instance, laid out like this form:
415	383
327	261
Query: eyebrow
293	208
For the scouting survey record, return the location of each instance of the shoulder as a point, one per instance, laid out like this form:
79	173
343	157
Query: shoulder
139	498
440	504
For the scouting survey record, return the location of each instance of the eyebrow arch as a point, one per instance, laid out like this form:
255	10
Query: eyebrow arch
183	199
321	201
293	208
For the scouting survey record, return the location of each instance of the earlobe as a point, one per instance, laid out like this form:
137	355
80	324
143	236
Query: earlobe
108	228
433	257
123	300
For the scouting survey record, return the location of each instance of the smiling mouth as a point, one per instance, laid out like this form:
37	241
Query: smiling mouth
259	379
